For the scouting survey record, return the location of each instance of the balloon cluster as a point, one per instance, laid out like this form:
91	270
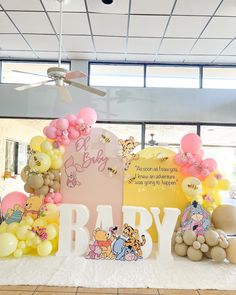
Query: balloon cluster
43	184
63	130
202	181
36	237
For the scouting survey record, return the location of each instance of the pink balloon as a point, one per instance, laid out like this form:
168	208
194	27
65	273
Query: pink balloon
209	164
88	115
53	123
51	132
72	119
62	123
65	141
12	199
179	159
73	133
48	199
194	171
57	198
184	170
191	143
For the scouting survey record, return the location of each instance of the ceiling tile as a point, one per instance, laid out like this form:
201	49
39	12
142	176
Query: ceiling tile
73	23
78	43
43	42
121	6
231	49
170	58
220	27
110	44
152	6
199	7
200	58
143	45
50	55
108	56
21	5
31	22
18	54
209	46
109	24
72	5
12	42
226	60
228	8
6	25
81	55
176	46
147	26
186	26
141	57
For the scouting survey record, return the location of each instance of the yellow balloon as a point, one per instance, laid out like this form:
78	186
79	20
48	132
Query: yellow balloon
36	142
22	232
29	220
211	182
30	235
39	222
39	162
46	146
44	248
51	231
224	185
8	244
18	253
36	240
54	244
192	186
29	243
12	227
51	214
3	227
56	162
21	245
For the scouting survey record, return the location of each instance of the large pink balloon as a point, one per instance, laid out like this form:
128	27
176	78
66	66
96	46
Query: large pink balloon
62	124
191	143
209	164
50	132
88	115
12	199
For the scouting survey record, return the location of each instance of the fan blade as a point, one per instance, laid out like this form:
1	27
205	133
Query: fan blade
28	86
85	87
74	75
28	73
64	93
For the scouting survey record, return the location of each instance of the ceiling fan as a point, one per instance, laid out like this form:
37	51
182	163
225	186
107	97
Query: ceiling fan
59	75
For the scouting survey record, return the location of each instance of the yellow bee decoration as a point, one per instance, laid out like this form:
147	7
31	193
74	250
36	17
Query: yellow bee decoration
162	157
112	171
193	186
105	139
130	179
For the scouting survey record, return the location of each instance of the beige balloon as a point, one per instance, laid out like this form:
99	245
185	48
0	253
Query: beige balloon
194	254
218	254
231	250
212	238
24	173
189	237
56	186
28	189
224	217
35	181
42	191
181	249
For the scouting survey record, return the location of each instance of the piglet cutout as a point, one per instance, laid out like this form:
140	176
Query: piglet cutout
72	170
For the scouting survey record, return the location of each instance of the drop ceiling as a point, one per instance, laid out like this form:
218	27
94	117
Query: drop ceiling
166	31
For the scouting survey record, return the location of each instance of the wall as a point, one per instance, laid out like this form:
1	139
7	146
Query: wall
124	104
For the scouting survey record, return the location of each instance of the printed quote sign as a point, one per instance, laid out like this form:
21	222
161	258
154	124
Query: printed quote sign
92	174
154	180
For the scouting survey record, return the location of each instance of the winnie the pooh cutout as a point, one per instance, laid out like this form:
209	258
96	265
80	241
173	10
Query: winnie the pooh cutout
92	174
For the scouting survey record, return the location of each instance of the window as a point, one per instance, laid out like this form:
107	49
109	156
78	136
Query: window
174	77
214	77
38	70
167	135
116	75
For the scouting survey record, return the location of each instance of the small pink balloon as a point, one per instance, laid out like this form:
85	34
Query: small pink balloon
53	123
11	199
191	143
65	141
73	133
51	132
72	119
179	160
62	123
209	164
88	115
195	172
57	198
48	200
